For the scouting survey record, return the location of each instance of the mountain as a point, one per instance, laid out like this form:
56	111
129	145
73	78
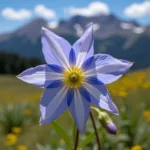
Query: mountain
105	25
135	49
24	41
120	38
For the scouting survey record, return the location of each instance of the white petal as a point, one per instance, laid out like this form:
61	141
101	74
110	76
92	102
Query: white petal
40	75
101	98
56	49
49	109
84	46
80	109
107	68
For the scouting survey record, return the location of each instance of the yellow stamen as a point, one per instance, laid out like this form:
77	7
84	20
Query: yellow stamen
74	77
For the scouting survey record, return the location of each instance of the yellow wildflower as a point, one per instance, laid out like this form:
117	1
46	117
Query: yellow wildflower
28	112
146	85
123	93
22	147
62	141
146	114
137	147
16	130
11	139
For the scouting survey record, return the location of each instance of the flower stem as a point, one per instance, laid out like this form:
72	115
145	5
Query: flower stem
76	140
96	132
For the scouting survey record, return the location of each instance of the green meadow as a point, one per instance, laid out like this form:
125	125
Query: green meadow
19	118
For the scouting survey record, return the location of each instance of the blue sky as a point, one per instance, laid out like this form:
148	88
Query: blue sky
14	13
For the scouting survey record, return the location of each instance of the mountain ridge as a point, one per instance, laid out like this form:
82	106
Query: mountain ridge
112	35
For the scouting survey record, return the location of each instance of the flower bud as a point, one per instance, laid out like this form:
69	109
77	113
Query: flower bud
107	123
111	128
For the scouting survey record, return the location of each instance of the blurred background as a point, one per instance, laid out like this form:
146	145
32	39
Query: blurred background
121	28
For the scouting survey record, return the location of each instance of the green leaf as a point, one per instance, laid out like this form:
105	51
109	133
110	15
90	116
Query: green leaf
62	133
87	140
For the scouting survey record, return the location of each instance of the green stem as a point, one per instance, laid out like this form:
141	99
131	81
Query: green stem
96	132
76	140
73	131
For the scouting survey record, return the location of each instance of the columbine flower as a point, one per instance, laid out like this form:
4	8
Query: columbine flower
74	77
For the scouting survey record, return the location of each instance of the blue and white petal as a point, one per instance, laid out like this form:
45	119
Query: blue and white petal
40	76
55	49
84	46
101	98
107	68
53	103
80	109
72	57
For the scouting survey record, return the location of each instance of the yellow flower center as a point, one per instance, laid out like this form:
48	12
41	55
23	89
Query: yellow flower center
74	77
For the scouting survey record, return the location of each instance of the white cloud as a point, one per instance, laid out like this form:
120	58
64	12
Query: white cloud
52	24
138	30
133	28
93	9
138	10
126	26
11	14
96	26
79	29
44	12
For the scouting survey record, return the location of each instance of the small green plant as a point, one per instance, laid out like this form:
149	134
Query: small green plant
12	116
41	147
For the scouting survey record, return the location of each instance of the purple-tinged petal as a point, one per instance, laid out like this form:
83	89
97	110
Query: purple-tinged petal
55	48
80	109
70	96
56	68
40	76
55	84
85	94
84	46
53	104
107	68
72	57
101	98
94	80
87	63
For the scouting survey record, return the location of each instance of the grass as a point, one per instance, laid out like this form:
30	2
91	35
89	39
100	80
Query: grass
13	90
